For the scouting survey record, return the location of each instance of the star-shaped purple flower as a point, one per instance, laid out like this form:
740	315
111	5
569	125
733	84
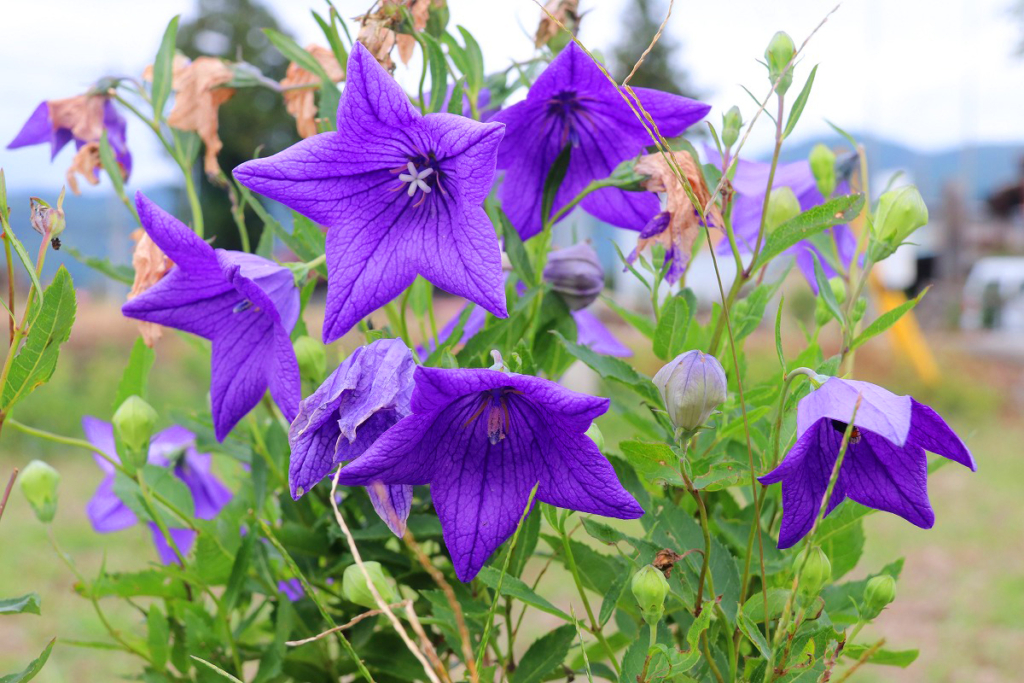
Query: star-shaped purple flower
173	447
573	103
885	466
401	194
482	439
368	393
245	304
750	182
41	128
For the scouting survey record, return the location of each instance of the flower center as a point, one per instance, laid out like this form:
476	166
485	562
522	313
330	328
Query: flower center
840	427
421	174
567	107
494	404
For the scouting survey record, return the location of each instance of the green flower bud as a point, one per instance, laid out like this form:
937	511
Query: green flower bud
650	588
134	422
821	313
732	121
880	591
823	166
778	55
900	212
782	206
312	358
692	385
596	436
858	310
817	571
355	589
39	485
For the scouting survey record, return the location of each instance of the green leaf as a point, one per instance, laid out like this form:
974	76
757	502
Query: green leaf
438	72
148	582
670	334
458	94
26	604
330	31
825	290
32	669
544	655
161	480
213	667
474	62
611	598
135	379
633	661
113	169
273	658
849	138
900	658
641	323
158	637
753	633
163	69
844	548
553	182
887	320
37	359
654	461
293	52
816	219
515	249
778	334
26	260
798	104
518	589
122	274
614	369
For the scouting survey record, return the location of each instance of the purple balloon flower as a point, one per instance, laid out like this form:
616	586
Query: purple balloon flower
574	103
245	304
173	447
74	123
885	466
750	182
482	439
401	194
292	589
368	393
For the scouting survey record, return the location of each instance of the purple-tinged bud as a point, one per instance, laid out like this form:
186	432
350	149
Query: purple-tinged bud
778	55
650	588
817	571
134	423
46	220
355	589
823	166
39	485
783	206
732	121
879	592
692	385
576	274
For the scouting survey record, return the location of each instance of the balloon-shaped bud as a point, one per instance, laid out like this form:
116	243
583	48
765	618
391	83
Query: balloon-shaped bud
650	588
900	212
576	274
732	121
355	588
823	166
817	571
594	432
134	423
783	206
778	55
692	385
312	358
39	485
879	592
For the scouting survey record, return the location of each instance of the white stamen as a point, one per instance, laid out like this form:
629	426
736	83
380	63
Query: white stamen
415	178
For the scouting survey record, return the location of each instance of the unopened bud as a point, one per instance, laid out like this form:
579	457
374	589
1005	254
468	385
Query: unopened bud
823	166
596	436
778	55
134	422
692	385
817	571
650	588
576	274
46	220
822	314
355	589
879	592
732	121
39	485
859	307
783	206
900	212
312	358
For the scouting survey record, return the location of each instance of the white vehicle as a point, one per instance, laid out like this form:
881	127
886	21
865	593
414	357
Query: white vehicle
994	295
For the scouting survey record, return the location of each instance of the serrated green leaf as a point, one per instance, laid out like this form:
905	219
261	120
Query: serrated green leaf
161	480
122	274
654	461
163	68
670	335
900	658
835	211
799	103
544	654
158	637
614	369
37	359
148	582
518	589
34	667
26	604
887	320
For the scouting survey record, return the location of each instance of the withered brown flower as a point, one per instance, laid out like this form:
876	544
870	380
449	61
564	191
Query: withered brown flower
565	11
198	97
300	102
150	265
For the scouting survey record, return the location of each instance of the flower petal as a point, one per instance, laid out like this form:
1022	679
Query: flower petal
591	332
175	239
883	476
37	130
101	435
105	510
881	412
209	495
929	431
405	454
182	539
392	504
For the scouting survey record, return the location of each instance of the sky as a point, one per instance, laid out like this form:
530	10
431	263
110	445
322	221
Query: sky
932	74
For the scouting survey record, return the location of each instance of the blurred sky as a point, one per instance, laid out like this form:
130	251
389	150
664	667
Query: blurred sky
932	74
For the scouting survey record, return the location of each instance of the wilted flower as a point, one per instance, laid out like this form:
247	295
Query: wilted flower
885	466
482	439
573	103
555	12
679	224
377	34
82	118
576	274
300	102
38	483
692	385
45	219
400	193
199	93
150	264
245	304
174	447
368	393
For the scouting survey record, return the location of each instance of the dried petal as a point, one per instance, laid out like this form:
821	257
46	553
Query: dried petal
376	35
565	11
82	115
85	163
198	98
150	265
299	101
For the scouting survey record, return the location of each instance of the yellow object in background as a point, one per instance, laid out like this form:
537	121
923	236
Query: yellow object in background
905	335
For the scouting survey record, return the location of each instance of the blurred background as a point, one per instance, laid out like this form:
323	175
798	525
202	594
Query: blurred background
934	89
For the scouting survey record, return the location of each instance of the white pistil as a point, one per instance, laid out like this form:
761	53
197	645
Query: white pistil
416	179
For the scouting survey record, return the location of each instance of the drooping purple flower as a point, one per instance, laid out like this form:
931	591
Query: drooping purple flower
574	103
885	466
482	439
750	183
368	393
173	447
401	194
82	118
245	304
292	589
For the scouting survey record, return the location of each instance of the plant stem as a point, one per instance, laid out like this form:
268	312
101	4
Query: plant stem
7	491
